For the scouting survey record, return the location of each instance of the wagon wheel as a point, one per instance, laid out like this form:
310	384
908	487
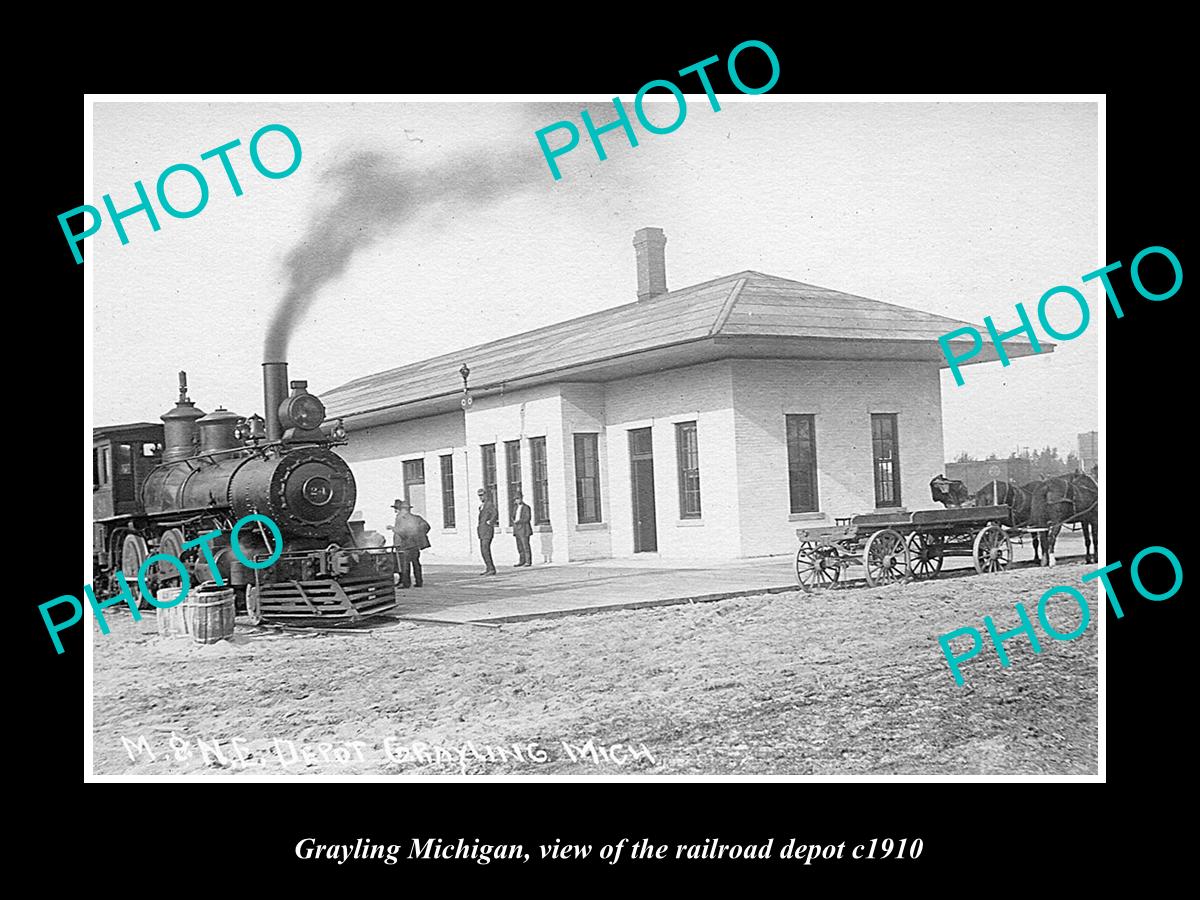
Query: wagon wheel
885	558
133	554
925	554
992	551
813	569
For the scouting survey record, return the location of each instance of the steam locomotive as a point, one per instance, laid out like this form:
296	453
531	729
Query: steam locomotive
213	470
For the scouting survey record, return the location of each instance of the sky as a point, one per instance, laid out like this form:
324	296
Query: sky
461	235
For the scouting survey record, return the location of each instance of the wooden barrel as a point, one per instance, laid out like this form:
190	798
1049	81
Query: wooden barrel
171	621
209	612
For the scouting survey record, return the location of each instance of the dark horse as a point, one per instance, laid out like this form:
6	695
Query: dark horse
1061	500
1019	500
1006	493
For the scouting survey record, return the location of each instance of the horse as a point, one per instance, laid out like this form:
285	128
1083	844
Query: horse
1062	500
1005	493
1017	499
948	492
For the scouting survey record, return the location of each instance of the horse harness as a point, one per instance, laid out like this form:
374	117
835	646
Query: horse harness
1068	498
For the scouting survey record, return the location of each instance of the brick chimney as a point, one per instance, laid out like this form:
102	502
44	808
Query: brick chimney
650	244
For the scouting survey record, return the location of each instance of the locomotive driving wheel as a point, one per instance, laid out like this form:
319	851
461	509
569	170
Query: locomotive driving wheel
133	554
171	543
885	558
926	553
992	551
814	568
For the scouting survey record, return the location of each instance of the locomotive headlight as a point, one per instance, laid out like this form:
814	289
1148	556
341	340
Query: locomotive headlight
306	411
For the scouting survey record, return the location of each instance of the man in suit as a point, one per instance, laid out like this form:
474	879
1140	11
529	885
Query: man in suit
411	535
522	530
489	518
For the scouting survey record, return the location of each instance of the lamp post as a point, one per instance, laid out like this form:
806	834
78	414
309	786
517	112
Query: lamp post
466	397
466	402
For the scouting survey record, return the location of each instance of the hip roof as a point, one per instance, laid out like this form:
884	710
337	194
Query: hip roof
740	314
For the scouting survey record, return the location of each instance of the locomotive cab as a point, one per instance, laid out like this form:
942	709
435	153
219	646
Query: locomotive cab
122	457
204	472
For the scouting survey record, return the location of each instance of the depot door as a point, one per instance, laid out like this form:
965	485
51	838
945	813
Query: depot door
414	485
641	462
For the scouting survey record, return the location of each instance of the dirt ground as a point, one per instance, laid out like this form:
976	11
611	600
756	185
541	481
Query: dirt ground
840	682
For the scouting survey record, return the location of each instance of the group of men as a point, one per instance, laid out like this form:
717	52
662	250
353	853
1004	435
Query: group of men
411	536
489	519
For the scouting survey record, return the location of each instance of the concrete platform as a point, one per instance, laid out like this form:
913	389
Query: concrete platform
460	595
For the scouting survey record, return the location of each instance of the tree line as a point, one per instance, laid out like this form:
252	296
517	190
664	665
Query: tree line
1045	462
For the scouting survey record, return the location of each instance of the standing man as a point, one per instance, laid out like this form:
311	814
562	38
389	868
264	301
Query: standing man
411	536
489	518
522	531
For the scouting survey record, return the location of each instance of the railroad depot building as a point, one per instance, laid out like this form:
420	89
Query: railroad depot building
704	422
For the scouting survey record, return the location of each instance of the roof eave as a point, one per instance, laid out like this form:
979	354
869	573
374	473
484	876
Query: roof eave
987	353
680	354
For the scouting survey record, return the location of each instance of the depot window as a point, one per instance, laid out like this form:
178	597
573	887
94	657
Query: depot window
802	463
687	451
885	442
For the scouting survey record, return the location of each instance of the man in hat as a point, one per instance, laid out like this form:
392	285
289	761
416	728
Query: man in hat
411	536
489	518
522	530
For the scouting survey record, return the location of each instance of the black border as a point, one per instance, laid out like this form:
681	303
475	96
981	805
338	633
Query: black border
968	828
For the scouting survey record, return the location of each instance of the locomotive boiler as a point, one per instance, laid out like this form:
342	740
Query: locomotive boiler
216	469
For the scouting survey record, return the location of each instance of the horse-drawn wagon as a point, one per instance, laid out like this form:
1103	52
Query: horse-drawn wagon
899	546
904	546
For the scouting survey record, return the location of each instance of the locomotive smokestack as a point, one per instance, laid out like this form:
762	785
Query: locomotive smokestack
275	391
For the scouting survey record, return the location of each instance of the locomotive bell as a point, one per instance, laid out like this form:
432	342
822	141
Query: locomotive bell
254	428
301	415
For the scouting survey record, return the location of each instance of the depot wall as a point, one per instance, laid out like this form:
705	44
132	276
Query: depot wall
701	394
376	456
841	396
739	407
520	416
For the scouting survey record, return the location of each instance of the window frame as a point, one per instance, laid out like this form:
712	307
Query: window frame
512	460
540	471
105	466
892	461
407	466
446	468
123	460
585	440
794	462
688	473
487	465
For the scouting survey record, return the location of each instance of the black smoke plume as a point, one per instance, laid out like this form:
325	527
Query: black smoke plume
374	193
